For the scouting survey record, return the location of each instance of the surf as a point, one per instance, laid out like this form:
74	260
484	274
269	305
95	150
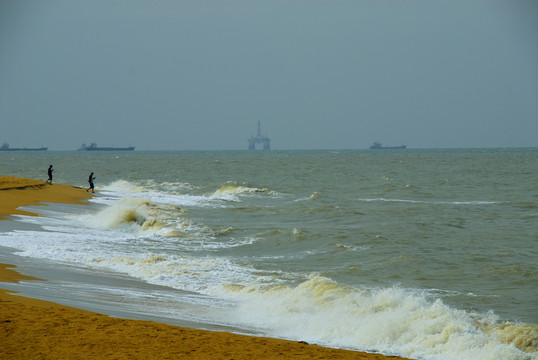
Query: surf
390	320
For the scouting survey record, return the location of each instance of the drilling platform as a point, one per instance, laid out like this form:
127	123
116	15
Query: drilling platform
259	139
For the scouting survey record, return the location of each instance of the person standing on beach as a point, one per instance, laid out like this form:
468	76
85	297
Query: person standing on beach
90	180
50	174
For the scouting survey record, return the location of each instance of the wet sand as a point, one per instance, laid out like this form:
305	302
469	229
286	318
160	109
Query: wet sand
37	329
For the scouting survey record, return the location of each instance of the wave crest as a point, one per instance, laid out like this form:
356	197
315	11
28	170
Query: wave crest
231	190
387	320
522	336
138	214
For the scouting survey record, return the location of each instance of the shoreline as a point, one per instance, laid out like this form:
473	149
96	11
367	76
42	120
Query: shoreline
16	192
33	328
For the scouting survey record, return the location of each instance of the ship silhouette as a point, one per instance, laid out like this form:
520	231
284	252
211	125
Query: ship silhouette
93	147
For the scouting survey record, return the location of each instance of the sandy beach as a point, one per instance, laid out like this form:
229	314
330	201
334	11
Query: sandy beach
36	329
16	192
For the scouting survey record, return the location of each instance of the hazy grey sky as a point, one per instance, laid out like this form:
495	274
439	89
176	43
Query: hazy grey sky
196	75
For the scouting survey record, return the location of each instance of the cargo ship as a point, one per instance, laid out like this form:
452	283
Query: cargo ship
5	147
378	146
93	147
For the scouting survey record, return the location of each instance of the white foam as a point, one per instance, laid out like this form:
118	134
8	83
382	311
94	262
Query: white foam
176	193
99	248
166	193
473	202
388	320
232	191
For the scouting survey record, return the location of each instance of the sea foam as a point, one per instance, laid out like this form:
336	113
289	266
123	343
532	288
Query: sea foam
388	320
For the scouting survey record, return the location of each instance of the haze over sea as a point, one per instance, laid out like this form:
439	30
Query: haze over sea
428	254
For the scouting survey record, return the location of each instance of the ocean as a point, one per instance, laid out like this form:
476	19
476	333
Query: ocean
427	254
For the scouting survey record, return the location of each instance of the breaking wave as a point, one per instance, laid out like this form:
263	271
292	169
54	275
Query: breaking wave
387	320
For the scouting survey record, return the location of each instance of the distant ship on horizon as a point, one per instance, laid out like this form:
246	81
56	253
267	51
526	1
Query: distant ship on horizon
5	147
93	147
378	146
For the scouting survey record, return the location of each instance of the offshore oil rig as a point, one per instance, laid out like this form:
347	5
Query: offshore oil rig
259	139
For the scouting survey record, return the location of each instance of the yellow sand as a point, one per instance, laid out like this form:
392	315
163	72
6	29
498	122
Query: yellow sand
36	329
16	192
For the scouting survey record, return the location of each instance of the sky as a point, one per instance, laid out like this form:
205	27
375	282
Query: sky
331	74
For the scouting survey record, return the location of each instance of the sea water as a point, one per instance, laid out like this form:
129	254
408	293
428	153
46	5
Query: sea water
428	254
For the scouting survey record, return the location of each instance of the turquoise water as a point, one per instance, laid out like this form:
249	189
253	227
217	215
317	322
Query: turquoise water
429	254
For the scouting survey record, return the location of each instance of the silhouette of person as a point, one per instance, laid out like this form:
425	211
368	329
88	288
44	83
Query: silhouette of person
50	174
90	180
